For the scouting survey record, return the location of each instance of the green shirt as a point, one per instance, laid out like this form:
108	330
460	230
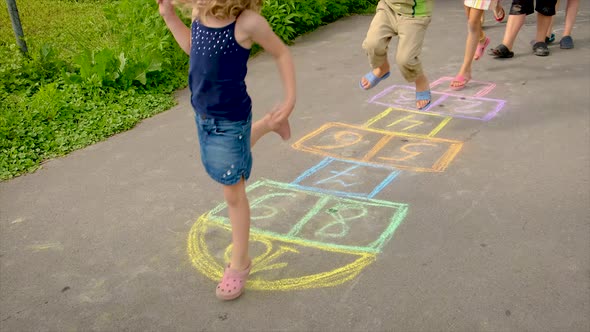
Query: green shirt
411	7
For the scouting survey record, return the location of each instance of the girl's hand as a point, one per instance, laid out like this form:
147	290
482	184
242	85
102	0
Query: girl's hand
282	111
166	7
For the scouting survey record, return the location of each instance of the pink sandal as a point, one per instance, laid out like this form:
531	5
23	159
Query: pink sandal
481	47
459	79
500	18
232	284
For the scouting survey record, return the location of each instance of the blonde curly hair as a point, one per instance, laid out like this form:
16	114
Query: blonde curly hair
220	9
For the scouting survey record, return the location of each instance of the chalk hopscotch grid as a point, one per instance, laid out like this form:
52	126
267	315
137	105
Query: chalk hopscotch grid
437	99
400	211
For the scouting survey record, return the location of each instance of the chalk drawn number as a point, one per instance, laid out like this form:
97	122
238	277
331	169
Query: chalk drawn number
405	98
340	213
342	139
469	107
410	150
264	211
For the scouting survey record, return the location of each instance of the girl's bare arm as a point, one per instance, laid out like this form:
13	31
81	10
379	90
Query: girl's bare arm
181	32
260	32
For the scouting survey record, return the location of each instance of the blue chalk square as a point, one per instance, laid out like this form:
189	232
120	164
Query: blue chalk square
346	178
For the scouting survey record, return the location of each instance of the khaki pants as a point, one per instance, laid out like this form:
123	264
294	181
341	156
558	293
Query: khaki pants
410	30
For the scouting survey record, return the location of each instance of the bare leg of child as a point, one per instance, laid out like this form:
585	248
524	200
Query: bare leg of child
239	216
571	10
550	37
474	38
570	16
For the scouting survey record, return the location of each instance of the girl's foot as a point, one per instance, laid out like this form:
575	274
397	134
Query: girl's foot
233	282
281	127
460	81
481	47
284	130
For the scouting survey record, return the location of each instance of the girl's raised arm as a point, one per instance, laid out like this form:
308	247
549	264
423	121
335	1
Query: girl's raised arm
260	32
181	32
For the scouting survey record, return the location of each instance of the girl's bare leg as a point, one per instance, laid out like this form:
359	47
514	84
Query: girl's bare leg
239	216
571	10
474	36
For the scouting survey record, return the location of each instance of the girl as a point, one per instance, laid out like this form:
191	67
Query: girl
218	43
477	41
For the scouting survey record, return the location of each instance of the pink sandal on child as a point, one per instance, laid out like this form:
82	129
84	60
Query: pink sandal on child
481	47
461	80
232	284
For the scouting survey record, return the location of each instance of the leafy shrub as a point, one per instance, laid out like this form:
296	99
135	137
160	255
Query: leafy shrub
280	15
53	103
290	18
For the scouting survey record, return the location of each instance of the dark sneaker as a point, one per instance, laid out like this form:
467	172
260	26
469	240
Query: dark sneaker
566	42
540	49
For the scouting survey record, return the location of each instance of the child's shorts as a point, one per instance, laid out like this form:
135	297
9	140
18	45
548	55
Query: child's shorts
481	4
225	148
526	7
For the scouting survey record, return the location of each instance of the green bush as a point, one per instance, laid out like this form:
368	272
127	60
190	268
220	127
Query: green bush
97	67
291	18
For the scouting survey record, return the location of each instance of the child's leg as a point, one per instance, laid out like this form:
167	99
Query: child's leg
411	37
550	29
377	40
259	129
474	36
570	16
239	216
571	10
483	41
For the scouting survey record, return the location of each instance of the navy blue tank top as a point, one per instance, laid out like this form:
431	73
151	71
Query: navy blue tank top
218	67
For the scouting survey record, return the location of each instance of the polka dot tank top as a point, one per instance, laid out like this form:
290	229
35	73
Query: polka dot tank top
218	67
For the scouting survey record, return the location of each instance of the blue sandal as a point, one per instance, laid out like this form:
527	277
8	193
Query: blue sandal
373	80
424	95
